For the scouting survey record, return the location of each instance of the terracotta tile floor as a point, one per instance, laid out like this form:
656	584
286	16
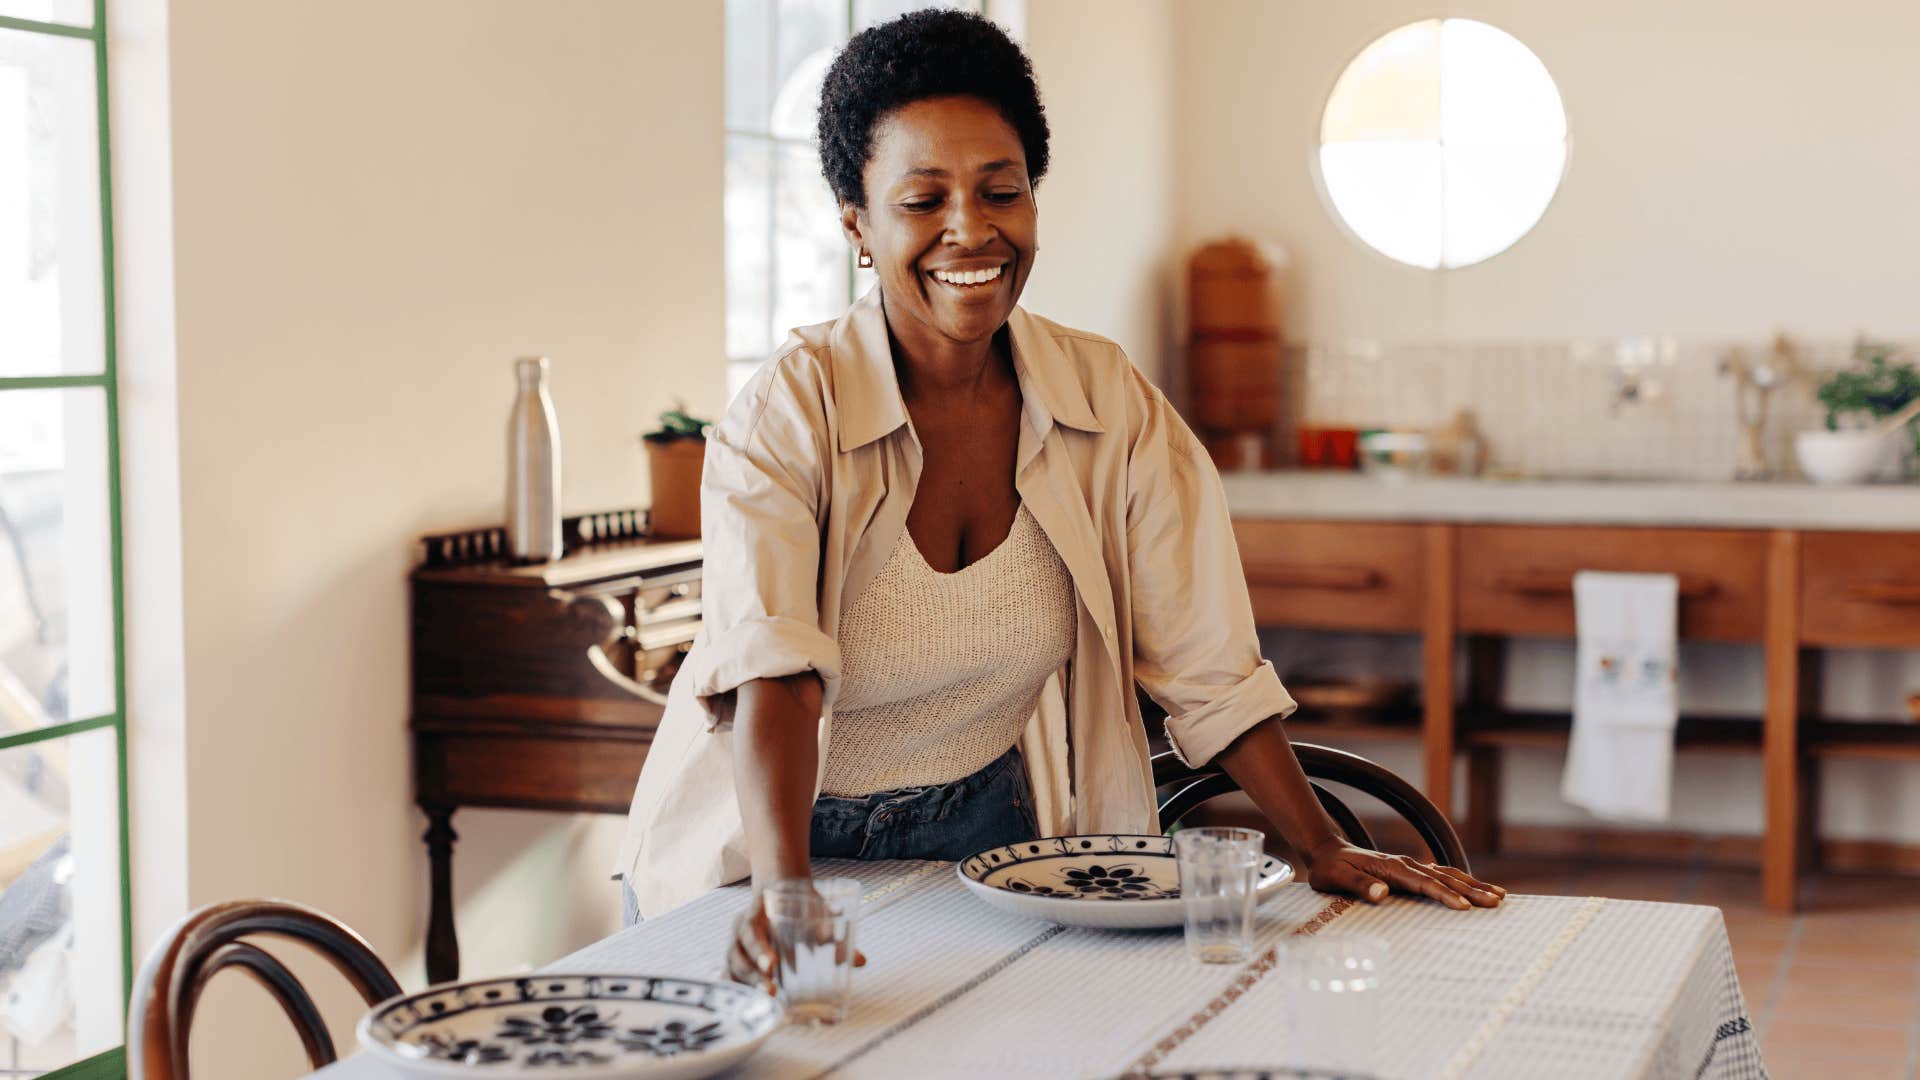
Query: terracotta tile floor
1833	991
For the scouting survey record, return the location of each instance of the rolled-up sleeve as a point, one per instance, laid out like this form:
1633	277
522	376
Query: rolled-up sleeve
1195	648
761	498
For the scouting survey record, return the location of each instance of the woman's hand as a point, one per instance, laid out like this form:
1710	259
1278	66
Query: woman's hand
1338	866
750	956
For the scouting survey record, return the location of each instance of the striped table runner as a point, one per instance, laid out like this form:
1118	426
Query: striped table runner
1543	986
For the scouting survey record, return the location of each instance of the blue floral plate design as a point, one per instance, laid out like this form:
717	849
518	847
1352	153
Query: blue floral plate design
1111	881
584	1027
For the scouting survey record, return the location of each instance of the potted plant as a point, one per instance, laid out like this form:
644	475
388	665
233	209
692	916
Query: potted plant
676	452
1875	386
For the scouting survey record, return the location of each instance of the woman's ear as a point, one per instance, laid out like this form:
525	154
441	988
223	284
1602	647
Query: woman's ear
850	224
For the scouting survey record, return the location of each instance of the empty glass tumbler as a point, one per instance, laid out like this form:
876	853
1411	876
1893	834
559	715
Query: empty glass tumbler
1219	868
812	922
1333	987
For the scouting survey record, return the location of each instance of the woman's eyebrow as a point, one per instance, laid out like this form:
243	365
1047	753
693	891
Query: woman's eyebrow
996	165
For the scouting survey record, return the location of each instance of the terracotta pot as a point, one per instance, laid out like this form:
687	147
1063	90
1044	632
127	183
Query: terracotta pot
673	468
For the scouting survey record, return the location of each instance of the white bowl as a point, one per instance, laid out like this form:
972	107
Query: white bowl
1842	457
1108	881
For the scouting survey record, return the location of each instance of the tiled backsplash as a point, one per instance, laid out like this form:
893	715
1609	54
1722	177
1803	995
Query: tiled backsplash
1556	408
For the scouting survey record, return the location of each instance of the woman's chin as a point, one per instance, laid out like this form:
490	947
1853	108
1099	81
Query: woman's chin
972	322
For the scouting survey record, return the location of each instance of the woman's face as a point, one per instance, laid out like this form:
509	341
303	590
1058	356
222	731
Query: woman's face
950	218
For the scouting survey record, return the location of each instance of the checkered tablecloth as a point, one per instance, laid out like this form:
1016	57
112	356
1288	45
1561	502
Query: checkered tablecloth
1542	986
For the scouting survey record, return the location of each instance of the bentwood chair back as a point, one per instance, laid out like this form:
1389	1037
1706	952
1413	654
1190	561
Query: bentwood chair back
209	941
1184	789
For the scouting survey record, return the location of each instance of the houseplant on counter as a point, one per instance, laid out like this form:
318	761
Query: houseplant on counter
676	452
1860	399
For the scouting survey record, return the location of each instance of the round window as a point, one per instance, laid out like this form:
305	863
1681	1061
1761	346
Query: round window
1443	142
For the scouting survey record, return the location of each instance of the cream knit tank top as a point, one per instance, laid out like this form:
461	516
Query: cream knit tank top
939	673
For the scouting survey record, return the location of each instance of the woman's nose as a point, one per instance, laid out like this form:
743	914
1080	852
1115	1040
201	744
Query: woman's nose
967	225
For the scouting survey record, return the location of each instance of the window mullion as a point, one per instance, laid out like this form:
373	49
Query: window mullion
57	731
110	341
53	382
36	26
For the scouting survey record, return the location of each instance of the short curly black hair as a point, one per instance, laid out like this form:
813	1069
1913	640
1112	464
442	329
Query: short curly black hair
924	54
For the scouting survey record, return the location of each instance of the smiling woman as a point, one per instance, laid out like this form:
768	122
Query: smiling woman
922	516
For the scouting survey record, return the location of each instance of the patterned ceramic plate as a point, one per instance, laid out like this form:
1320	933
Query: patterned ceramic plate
1281	1073
582	1026
1111	881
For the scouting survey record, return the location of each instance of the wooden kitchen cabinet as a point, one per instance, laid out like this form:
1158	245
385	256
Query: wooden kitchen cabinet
1335	575
1467	588
1518	579
1860	589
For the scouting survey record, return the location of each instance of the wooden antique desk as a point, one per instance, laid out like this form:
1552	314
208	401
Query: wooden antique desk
539	687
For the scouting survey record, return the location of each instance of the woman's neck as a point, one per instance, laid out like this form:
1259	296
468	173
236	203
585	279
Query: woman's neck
929	364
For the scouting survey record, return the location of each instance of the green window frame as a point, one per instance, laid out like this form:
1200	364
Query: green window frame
111	1063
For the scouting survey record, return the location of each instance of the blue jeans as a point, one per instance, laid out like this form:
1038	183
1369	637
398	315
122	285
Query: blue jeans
945	822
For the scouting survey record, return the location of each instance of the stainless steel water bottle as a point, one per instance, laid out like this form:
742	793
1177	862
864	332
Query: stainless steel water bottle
533	467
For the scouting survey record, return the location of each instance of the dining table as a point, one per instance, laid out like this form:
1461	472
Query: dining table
1542	986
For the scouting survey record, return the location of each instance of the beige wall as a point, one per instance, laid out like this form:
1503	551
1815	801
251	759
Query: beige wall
375	208
1106	71
1736	167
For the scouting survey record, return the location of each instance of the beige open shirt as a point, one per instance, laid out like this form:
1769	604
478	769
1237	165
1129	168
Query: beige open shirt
808	480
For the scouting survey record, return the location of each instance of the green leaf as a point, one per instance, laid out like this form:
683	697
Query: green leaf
677	423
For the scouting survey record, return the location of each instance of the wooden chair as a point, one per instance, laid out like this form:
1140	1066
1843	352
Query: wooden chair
207	942
1186	788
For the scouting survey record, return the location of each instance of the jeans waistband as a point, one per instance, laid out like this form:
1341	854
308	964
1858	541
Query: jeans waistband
930	803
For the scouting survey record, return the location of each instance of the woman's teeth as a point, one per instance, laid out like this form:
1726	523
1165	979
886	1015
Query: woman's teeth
968	277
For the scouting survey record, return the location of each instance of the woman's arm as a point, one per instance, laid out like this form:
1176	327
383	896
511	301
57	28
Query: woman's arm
776	754
1263	763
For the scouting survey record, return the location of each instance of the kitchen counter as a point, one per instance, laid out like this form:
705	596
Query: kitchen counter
1347	496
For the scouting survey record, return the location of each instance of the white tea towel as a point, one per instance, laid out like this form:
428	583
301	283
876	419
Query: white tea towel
1620	761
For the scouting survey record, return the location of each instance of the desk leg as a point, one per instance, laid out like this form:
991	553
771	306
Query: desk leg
443	945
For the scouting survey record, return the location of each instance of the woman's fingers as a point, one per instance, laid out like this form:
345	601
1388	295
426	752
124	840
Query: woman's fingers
1472	888
750	960
1413	877
1349	876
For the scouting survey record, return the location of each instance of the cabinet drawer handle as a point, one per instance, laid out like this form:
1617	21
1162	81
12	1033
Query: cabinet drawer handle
1886	592
1338	578
1560	583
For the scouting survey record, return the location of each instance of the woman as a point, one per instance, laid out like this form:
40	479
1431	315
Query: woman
945	537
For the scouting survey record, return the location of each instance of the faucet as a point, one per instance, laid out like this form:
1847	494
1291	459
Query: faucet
1634	360
1755	380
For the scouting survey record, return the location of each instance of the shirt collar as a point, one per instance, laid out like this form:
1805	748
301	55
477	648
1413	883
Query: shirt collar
867	389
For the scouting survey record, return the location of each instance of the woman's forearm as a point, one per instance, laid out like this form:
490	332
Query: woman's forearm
776	731
1263	763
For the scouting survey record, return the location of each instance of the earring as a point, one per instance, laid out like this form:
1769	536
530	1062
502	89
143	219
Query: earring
865	262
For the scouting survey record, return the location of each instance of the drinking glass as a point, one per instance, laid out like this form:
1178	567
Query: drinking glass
812	921
1332	1000
1218	869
